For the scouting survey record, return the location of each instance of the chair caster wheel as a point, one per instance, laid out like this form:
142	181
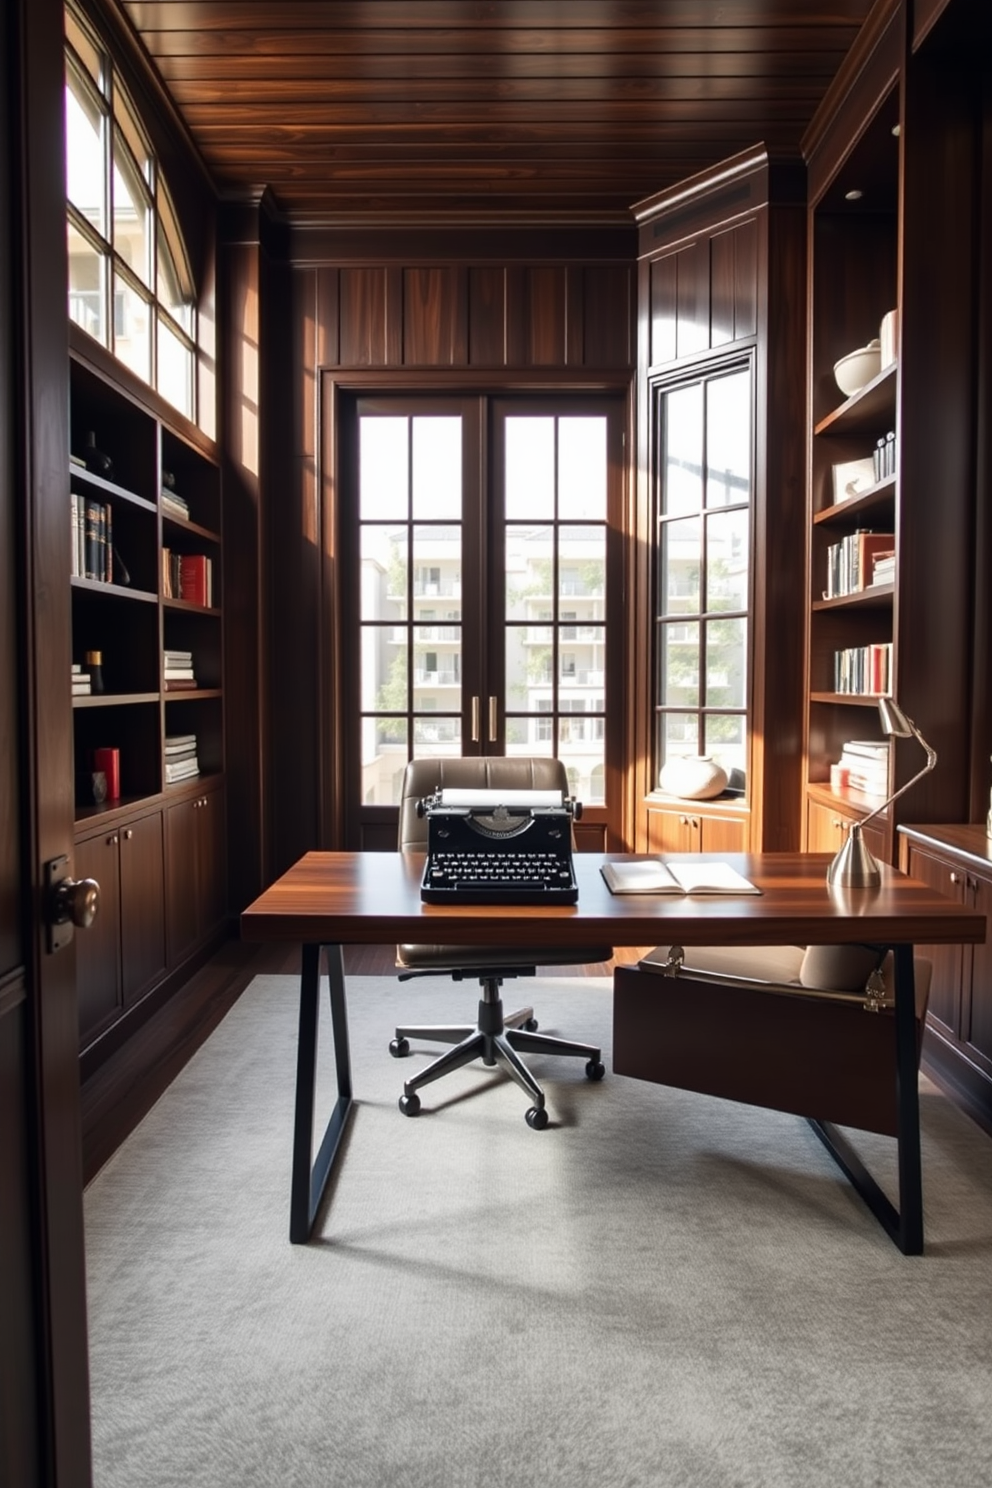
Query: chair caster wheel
595	1069
410	1104
399	1047
531	1025
537	1118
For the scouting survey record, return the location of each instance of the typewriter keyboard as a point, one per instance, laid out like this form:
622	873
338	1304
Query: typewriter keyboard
491	877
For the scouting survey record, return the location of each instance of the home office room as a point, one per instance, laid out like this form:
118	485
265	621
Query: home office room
497	743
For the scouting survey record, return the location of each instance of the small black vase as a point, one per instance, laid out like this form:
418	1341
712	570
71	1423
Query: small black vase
96	460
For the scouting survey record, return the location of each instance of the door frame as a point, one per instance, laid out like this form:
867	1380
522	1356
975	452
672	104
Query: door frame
53	1435
335	387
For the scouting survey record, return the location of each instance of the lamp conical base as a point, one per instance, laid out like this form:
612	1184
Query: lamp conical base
854	866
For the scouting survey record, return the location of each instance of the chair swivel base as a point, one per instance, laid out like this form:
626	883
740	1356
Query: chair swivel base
496	1040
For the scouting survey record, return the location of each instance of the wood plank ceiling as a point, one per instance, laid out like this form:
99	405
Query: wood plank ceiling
543	110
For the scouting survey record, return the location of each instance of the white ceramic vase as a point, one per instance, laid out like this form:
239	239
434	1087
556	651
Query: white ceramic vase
696	777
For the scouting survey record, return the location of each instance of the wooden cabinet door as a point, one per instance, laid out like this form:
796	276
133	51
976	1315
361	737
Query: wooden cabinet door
976	1002
668	831
826	828
211	860
722	834
98	977
182	916
944	1009
142	879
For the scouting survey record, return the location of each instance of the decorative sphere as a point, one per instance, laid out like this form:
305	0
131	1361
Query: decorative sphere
695	777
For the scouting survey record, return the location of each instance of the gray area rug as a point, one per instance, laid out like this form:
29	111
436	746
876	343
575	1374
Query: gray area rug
661	1288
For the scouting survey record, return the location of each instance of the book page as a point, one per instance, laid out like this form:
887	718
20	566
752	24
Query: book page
711	878
648	876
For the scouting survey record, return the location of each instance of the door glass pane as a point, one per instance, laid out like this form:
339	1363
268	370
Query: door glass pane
582	469
728	440
437	674
581	745
682	451
680	566
437	736
384	755
582	566
529	572
530	468
437	468
727	552
384	669
384	571
726	663
383	471
679	683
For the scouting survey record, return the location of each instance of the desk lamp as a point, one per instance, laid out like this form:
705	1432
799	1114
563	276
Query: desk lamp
854	866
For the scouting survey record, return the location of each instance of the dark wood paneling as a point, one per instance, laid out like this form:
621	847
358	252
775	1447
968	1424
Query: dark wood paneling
487	316
664	282
362	317
142	904
20	1362
550	110
544	317
692	313
607	317
433	317
98	977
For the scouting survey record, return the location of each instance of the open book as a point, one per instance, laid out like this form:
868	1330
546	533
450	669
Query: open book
654	876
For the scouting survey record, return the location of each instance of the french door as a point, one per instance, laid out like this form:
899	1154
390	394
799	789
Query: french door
482	604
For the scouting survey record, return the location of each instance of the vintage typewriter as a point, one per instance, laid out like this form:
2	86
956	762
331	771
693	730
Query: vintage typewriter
499	847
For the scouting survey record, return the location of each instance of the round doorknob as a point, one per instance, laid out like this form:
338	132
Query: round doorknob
77	900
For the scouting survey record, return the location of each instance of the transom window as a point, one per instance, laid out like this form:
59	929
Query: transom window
130	284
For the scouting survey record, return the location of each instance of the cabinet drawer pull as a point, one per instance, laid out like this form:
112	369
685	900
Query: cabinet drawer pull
128	835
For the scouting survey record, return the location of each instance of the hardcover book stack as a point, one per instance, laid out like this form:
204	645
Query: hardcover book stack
178	674
172	504
81	686
180	758
188	576
866	762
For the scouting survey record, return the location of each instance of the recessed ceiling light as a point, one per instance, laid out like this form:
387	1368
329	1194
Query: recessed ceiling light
853	195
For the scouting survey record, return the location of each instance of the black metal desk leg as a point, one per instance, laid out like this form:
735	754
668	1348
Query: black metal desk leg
905	1224
310	1178
910	1235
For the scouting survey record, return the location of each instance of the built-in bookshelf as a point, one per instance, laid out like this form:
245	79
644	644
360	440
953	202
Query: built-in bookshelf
145	484
888	482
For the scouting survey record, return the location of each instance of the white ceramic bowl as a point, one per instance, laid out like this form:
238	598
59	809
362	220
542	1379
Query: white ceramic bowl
858	368
694	777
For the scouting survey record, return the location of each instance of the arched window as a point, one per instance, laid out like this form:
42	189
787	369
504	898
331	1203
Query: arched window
130	285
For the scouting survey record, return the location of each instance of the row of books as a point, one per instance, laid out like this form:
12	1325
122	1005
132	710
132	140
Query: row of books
852	562
92	539
864	669
177	671
181	761
864	766
188	576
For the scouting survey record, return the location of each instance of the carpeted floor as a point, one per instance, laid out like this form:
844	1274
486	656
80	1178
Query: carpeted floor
660	1289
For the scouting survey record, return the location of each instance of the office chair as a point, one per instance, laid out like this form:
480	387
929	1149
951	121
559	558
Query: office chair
494	1038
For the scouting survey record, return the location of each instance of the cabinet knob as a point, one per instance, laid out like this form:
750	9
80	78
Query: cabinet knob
128	835
112	840
955	878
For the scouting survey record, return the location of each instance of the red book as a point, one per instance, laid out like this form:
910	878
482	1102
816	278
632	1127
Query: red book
109	761
195	578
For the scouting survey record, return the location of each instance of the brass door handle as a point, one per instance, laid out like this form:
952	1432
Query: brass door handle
475	720
493	720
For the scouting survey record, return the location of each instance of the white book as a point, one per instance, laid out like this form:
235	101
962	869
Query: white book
655	876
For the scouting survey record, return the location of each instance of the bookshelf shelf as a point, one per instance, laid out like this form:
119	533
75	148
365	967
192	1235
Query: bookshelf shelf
877	596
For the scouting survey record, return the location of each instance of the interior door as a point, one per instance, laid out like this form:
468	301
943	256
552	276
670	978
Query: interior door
483	597
44	1402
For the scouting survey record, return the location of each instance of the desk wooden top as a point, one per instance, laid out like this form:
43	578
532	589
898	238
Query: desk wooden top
374	899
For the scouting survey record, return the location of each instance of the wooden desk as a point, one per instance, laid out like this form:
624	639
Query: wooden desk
328	900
